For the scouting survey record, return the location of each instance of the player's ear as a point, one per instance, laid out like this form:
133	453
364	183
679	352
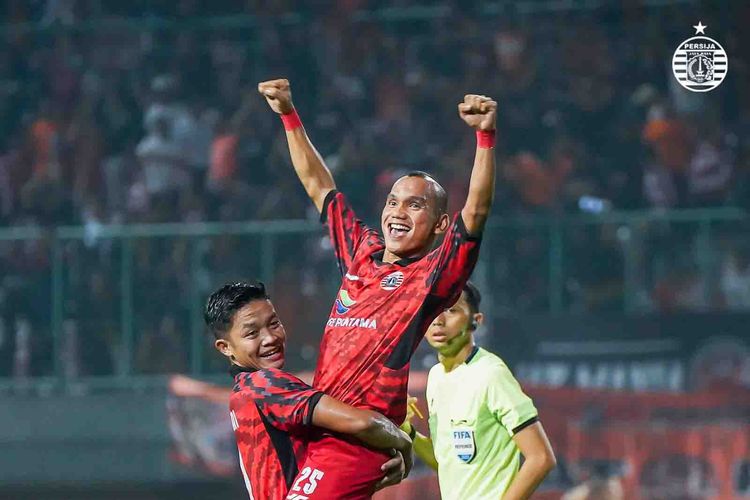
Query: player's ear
442	224
223	347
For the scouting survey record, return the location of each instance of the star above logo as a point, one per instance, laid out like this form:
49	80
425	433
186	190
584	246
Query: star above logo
700	28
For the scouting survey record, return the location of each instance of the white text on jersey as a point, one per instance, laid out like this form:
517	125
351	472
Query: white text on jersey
353	323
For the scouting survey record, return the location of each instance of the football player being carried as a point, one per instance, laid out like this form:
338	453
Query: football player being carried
393	285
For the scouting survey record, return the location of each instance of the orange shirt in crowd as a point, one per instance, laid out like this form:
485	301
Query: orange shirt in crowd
671	142
537	183
43	134
223	157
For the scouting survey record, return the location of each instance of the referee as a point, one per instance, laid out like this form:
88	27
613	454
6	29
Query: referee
480	420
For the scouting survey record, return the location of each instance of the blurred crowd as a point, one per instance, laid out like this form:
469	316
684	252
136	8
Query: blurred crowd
135	124
106	121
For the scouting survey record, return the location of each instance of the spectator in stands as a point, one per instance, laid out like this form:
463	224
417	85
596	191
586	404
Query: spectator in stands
10	165
735	277
198	140
671	143
711	167
43	143
164	170
84	139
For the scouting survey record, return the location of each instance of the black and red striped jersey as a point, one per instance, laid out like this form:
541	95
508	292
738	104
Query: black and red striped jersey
383	310
271	413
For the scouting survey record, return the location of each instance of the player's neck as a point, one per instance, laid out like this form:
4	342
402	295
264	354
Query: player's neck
451	362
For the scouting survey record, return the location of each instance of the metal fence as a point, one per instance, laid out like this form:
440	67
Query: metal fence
125	302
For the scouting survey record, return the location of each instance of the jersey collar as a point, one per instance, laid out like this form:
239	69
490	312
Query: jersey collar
235	370
474	351
471	355
378	257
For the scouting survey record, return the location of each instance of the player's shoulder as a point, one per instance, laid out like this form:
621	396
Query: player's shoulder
338	202
259	380
244	384
276	377
334	195
458	226
456	229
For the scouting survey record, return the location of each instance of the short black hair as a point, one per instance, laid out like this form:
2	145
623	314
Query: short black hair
473	297
226	301
441	197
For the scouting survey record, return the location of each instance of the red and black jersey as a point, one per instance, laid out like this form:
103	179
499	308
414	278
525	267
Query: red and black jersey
383	310
271	413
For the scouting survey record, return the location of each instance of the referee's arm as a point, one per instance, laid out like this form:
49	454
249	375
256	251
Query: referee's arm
539	459
421	444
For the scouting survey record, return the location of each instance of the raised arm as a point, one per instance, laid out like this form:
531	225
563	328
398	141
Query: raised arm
480	113
370	427
311	170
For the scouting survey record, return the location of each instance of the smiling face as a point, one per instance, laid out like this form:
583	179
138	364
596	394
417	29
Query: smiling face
256	338
411	218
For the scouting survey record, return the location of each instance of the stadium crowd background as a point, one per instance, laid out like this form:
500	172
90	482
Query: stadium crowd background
104	121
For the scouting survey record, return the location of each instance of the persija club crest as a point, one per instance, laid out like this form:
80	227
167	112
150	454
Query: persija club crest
392	281
700	64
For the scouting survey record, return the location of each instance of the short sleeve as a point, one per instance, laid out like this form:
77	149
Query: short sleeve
283	399
507	401
346	231
453	262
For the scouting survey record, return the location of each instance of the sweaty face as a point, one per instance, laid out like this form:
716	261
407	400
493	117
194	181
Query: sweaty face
409	217
449	332
257	338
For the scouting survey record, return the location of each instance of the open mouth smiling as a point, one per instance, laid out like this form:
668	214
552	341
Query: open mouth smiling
397	229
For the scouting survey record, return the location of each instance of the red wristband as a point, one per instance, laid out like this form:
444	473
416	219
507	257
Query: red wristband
291	120
485	139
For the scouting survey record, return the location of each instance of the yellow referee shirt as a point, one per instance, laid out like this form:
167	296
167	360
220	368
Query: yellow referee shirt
475	409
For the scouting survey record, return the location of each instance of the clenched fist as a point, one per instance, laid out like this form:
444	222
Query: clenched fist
278	94
479	111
